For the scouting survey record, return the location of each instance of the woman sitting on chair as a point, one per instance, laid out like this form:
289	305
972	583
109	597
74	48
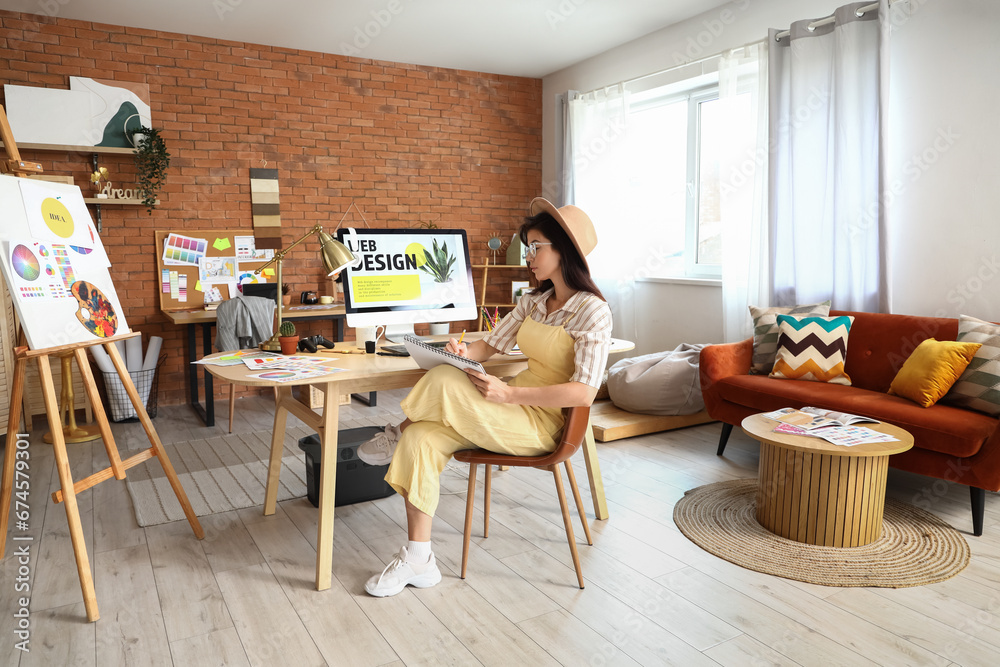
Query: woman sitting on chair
563	328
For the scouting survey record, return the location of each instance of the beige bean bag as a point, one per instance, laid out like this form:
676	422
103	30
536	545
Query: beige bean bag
663	383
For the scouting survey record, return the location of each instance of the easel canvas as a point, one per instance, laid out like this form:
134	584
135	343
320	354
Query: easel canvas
43	224
55	265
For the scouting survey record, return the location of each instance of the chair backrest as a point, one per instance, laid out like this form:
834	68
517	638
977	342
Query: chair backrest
574	433
247	316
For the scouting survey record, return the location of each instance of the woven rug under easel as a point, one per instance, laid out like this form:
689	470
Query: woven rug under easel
219	474
916	547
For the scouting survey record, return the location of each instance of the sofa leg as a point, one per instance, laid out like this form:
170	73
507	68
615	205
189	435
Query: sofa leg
724	438
978	509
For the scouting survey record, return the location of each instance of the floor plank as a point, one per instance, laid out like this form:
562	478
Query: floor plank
126	592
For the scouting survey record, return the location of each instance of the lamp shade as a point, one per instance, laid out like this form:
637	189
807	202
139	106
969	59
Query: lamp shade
336	256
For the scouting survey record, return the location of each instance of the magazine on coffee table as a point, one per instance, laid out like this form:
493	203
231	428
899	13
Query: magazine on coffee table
847	436
810	418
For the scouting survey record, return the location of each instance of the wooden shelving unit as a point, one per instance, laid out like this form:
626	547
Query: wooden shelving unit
482	290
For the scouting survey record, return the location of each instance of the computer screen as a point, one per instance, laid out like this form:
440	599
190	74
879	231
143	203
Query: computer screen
408	276
266	290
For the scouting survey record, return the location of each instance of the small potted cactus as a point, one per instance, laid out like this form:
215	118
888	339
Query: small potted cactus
287	338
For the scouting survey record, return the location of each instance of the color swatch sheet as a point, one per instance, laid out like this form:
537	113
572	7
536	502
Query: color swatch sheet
55	265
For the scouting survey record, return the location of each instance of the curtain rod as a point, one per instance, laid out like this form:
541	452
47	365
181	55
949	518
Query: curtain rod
686	64
861	11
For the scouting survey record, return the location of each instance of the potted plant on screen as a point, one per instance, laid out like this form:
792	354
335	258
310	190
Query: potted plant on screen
286	337
439	263
151	162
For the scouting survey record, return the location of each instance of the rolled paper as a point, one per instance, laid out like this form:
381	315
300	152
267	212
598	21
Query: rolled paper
133	353
152	353
102	359
120	344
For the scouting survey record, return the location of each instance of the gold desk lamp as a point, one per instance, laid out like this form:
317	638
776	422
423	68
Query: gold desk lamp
336	257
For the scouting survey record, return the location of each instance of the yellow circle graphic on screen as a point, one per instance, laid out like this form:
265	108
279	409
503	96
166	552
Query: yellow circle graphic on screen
417	251
57	217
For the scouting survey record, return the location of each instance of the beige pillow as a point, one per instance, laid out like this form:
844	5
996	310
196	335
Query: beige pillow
765	332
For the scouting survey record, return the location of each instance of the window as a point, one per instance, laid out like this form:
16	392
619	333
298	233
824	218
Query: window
677	140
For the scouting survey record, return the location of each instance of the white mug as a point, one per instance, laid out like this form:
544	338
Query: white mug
368	333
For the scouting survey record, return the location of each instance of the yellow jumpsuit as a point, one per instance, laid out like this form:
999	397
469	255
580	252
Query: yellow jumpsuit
449	414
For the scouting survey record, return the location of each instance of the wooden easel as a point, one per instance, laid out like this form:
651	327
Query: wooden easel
67	494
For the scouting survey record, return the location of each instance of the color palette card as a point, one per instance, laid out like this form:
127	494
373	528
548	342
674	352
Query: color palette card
183	250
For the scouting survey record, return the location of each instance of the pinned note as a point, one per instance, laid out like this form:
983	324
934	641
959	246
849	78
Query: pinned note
222	244
197	286
268	272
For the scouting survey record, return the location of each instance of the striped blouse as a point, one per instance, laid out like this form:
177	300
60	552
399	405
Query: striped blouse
589	325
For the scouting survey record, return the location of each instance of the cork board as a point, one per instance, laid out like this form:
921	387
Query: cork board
182	286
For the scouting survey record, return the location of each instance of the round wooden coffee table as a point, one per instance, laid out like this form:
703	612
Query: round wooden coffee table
815	492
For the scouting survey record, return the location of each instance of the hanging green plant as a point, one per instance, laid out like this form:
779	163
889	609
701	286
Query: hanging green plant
151	162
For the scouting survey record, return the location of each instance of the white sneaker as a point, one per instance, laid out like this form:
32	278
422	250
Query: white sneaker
378	450
399	574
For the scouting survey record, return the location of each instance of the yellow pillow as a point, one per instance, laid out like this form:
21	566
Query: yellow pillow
931	370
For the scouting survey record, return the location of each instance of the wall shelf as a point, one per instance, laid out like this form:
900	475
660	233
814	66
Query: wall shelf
116	202
65	148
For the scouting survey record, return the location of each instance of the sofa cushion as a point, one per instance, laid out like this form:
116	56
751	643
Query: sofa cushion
812	348
941	428
765	331
931	370
979	386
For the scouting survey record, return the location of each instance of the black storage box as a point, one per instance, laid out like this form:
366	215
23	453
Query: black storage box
357	481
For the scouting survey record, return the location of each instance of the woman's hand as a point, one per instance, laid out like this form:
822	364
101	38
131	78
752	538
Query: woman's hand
491	387
453	346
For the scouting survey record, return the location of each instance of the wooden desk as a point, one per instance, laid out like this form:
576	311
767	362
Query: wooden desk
363	373
207	318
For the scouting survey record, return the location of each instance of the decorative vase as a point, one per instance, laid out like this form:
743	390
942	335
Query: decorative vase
286	300
289	344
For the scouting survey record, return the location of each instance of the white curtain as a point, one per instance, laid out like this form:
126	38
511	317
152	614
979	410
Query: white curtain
598	157
828	103
743	184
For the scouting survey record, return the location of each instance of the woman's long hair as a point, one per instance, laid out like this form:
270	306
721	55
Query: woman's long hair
574	270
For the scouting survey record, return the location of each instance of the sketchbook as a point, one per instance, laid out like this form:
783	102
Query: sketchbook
428	356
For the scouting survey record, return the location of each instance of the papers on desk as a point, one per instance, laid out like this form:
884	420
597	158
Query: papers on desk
295	374
265	361
231	359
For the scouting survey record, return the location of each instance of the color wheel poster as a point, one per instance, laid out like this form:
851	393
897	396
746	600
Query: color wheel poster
55	265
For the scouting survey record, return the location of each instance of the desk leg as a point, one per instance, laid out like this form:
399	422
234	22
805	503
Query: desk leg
277	448
206	339
327	487
594	473
207	411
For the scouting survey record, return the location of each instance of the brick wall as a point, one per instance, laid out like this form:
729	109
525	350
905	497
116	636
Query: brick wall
406	143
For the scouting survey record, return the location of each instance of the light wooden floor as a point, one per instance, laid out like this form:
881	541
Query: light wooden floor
244	595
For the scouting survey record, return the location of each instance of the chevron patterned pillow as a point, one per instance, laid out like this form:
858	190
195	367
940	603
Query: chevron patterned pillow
812	348
765	331
978	388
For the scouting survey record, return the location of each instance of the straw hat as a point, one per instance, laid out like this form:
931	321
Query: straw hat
574	222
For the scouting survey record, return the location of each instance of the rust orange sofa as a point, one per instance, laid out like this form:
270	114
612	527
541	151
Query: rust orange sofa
950	443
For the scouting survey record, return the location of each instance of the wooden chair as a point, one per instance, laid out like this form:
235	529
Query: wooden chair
573	436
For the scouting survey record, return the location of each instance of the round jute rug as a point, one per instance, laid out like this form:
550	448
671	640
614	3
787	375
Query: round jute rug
916	547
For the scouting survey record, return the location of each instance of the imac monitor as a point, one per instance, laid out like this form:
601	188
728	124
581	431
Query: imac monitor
407	276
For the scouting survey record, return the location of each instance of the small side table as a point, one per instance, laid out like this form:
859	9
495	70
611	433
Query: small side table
815	492
72	432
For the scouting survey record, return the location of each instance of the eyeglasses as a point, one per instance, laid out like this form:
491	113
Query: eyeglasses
531	249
